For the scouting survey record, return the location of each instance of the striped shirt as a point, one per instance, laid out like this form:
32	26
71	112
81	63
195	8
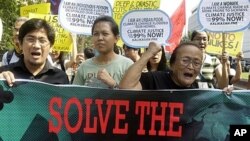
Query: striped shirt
208	70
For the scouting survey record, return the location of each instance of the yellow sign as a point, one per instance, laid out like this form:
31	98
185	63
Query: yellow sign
43	8
233	43
121	7
63	41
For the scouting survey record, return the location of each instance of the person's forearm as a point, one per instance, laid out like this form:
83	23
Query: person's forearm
224	80
132	76
236	78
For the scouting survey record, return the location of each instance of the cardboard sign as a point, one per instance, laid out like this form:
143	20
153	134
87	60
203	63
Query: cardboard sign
121	7
78	16
224	15
233	43
139	27
43	8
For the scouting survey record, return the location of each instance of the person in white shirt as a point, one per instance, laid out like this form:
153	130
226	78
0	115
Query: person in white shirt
13	55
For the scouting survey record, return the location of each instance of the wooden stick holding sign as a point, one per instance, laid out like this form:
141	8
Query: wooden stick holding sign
71	65
223	42
224	59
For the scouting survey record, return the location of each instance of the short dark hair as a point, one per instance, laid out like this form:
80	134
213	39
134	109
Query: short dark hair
113	24
176	50
195	32
35	24
89	52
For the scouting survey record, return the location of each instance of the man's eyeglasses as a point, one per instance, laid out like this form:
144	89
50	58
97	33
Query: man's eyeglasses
42	41
185	61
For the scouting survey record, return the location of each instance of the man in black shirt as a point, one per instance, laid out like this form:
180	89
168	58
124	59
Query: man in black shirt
185	65
36	38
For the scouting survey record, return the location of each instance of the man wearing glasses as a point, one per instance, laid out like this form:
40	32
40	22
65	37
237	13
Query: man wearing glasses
36	38
185	65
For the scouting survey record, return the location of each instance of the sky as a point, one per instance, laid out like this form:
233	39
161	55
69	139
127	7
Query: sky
169	6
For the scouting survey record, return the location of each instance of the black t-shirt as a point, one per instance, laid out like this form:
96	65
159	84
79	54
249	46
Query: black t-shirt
159	80
49	74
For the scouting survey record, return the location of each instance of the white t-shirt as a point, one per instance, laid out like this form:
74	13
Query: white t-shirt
13	59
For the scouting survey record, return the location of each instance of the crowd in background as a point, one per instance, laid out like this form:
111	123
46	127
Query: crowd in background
105	65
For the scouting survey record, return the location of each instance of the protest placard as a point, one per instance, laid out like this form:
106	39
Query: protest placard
139	27
43	8
233	43
224	15
63	40
77	16
121	7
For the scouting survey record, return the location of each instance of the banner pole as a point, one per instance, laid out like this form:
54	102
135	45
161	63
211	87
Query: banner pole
74	49
223	42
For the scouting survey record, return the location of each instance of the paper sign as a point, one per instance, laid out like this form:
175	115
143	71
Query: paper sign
224	15
121	7
43	8
233	43
78	16
139	27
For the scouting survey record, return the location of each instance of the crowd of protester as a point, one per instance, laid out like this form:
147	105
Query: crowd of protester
106	66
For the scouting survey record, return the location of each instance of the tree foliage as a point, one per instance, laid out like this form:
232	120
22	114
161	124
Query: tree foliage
83	41
9	11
